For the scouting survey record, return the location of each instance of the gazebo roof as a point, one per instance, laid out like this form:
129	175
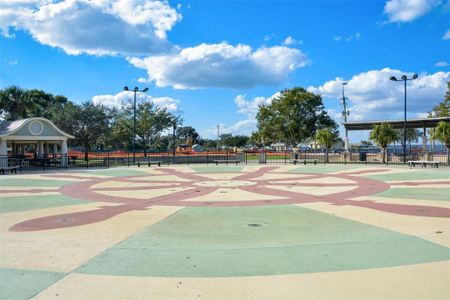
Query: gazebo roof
32	128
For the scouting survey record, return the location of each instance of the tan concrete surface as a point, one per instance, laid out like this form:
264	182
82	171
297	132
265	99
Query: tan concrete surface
219	176
143	194
28	194
113	183
424	281
162	178
423	227
62	250
314	190
227	194
436	203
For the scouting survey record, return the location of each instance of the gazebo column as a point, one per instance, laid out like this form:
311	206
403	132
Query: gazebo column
3	153
46	152
41	149
64	153
55	149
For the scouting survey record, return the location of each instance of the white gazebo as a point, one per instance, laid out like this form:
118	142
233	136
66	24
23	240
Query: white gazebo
39	134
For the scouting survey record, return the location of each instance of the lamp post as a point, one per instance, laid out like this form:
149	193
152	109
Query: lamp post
135	90
345	113
404	78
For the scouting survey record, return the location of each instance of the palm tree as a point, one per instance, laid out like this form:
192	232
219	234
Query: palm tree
327	138
383	134
442	133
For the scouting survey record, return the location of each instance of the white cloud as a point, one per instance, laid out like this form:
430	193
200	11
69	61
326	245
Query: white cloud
11	62
269	37
408	10
355	36
446	35
249	108
351	37
122	98
222	65
441	64
96	27
242	127
373	96
291	41
166	102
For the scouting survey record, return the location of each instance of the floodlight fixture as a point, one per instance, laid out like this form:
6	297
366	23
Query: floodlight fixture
405	79
135	90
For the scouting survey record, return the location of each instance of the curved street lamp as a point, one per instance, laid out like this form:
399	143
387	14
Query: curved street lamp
404	78
135	90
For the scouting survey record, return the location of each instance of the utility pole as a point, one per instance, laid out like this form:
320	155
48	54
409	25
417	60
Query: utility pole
345	113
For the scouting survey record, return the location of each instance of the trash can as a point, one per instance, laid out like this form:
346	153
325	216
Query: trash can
362	156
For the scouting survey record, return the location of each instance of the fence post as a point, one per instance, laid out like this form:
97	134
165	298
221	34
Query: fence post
128	159
107	153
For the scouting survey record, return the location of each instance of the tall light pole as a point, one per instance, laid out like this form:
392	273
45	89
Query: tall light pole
345	113
135	90
404	78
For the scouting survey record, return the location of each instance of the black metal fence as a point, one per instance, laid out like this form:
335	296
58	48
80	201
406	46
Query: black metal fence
119	159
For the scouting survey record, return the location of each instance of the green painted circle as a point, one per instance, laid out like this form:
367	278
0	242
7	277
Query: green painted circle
217	242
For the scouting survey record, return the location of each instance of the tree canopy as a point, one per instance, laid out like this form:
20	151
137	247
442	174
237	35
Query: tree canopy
442	134
292	117
17	103
443	108
229	140
327	138
383	134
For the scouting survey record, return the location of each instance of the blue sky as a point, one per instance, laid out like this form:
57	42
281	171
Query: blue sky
213	62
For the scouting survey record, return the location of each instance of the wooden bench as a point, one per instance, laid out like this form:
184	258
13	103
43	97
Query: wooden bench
304	161
226	161
150	163
13	169
423	163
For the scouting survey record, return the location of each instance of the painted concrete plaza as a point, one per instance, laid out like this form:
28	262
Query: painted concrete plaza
227	232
